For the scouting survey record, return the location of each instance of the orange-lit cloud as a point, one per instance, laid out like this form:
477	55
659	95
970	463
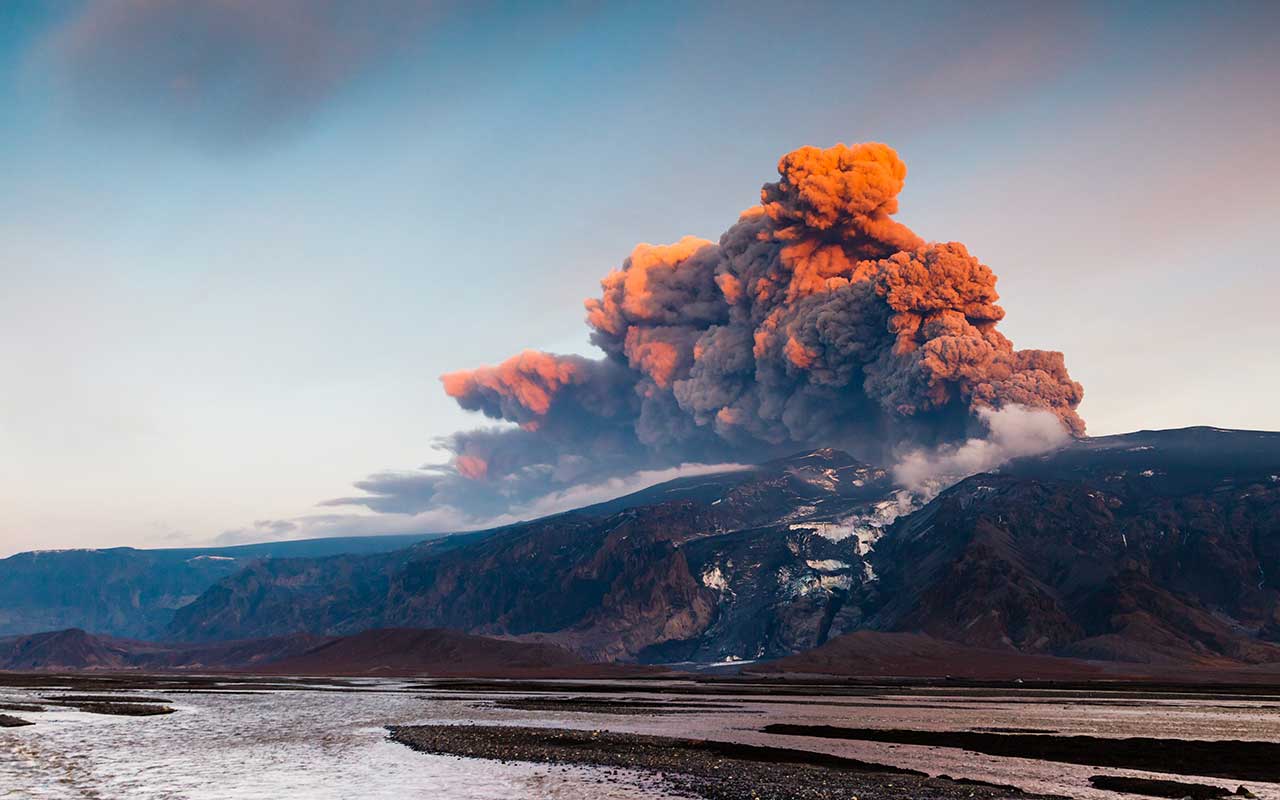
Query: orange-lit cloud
816	318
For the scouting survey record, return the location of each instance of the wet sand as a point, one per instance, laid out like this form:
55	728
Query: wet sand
657	728
710	769
1164	788
622	706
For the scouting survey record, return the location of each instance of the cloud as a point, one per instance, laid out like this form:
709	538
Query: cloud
817	319
325	526
406	509
225	73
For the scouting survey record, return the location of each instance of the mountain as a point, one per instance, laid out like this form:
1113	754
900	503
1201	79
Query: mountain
132	593
436	652
755	561
1152	547
61	650
1157	547
387	652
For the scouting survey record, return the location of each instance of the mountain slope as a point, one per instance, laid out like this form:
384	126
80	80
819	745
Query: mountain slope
407	651
128	592
644	577
399	651
1153	547
1158	547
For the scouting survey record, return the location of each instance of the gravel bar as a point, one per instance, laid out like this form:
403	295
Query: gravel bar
703	768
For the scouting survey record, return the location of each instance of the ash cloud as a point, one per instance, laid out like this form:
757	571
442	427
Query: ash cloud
816	319
225	73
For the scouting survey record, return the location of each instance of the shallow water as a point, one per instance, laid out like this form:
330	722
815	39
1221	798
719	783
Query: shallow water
285	744
317	743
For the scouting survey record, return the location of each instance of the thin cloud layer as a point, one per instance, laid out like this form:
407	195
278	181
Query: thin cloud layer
818	319
406	507
225	73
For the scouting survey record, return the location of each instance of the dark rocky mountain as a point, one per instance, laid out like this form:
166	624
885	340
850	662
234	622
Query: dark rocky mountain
133	593
1155	548
1158	547
755	561
1148	547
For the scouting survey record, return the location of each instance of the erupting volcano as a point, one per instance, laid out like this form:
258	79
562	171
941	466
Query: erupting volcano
817	319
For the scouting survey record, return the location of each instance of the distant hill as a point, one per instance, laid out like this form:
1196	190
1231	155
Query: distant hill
386	652
439	653
132	593
74	650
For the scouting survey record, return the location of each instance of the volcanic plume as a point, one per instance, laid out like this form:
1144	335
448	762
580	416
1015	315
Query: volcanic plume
816	319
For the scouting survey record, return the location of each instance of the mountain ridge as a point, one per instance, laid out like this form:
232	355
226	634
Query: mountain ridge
1153	547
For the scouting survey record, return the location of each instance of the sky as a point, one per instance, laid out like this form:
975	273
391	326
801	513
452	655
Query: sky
240	243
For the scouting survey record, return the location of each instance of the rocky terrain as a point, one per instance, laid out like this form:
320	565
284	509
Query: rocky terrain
1153	548
744	564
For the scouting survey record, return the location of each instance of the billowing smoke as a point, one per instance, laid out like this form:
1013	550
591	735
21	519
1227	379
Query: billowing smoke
817	319
1012	432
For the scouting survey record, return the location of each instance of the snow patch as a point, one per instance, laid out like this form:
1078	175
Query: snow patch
826	565
799	512
808	582
713	578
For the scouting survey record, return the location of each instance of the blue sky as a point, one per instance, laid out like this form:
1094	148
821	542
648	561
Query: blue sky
224	302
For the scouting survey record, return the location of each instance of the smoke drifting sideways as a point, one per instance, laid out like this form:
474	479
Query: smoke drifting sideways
817	319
